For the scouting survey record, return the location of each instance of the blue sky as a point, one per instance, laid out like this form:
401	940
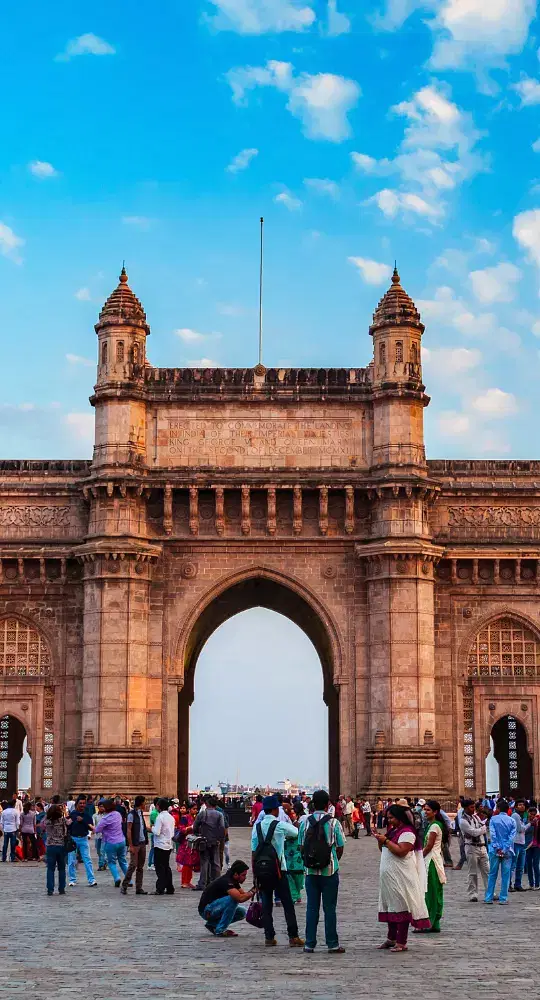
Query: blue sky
362	131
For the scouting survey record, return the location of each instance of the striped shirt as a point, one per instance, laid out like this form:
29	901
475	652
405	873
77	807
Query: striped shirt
335	837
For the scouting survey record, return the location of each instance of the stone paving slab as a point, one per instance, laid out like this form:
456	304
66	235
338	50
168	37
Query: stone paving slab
99	944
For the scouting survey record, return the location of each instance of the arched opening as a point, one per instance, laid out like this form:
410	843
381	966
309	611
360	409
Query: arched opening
509	763
258	592
15	769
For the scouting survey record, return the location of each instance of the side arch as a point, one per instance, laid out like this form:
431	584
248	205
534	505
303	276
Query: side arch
484	622
259	586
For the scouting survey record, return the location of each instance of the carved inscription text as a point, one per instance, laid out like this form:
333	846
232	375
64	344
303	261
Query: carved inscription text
201	439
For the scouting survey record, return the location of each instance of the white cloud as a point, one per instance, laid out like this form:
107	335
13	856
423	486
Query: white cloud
321	101
367	163
189	336
80	425
372	272
536	328
494	404
467	33
83	295
435	155
137	222
323	186
391	202
76	359
528	90
452	423
258	17
536	146
337	23
444	361
526	231
10	243
42	169
242	160
447	310
203	363
86	45
496	284
289	200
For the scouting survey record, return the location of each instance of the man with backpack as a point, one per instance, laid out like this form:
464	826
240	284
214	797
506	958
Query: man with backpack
321	841
270	870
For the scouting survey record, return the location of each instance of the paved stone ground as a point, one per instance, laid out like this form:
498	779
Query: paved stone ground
99	944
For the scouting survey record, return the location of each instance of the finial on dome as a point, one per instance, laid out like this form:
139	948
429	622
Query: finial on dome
395	276
123	274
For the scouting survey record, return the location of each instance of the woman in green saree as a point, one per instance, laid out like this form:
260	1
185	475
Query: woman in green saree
436	835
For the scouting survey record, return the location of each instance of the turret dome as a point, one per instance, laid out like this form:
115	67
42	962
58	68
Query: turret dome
396	308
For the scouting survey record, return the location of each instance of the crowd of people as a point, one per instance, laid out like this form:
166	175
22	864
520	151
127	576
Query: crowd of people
296	845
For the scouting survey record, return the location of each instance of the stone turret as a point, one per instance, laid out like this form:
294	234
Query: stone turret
120	411
398	393
122	331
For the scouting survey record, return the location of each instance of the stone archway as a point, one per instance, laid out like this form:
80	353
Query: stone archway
12	737
512	755
259	590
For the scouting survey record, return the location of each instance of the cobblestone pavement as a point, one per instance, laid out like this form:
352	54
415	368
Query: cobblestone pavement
99	944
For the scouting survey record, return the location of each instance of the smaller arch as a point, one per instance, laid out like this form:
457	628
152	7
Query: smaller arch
24	651
120	351
104	352
504	646
382	353
399	352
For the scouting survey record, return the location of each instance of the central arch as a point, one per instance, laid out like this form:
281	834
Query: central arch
263	589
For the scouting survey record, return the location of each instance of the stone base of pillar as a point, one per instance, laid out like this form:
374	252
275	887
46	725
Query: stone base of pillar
409	770
111	770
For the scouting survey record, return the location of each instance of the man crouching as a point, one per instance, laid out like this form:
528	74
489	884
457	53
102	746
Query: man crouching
220	902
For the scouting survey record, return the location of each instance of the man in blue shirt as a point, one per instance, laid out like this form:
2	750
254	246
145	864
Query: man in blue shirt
502	832
322	883
282	832
79	828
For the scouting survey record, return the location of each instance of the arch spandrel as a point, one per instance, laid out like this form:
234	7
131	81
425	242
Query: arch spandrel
259	586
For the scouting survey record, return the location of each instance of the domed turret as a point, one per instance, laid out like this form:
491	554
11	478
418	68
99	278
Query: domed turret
122	331
396	308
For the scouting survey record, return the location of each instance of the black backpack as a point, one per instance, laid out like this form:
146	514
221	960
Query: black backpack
266	868
316	851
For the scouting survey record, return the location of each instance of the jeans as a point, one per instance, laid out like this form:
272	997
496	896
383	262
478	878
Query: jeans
82	845
162	861
505	865
210	867
56	858
9	839
137	857
116	855
151	854
325	888
282	890
533	866
100	851
221	913
518	864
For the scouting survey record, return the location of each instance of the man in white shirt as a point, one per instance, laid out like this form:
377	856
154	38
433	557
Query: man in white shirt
347	816
163	830
10	821
366	809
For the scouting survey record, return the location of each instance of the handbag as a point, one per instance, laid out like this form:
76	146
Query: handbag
254	915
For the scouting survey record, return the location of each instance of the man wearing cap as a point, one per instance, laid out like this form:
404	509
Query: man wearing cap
283	831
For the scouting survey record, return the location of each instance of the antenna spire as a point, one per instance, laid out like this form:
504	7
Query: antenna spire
261	262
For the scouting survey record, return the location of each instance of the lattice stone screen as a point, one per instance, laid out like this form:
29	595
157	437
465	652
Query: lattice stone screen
505	649
23	653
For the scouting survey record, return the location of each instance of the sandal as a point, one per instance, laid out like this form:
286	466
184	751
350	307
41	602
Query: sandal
227	934
399	947
386	944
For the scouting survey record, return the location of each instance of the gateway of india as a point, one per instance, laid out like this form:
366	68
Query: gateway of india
305	491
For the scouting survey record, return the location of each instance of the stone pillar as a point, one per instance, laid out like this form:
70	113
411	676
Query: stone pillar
117	693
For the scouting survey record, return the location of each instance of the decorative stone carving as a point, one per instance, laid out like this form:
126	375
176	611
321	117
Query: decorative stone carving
329	572
35	517
188	570
493	517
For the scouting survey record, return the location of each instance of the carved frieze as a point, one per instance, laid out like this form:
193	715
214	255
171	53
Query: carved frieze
493	517
35	516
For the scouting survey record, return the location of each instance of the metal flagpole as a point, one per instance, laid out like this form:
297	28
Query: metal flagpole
261	295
